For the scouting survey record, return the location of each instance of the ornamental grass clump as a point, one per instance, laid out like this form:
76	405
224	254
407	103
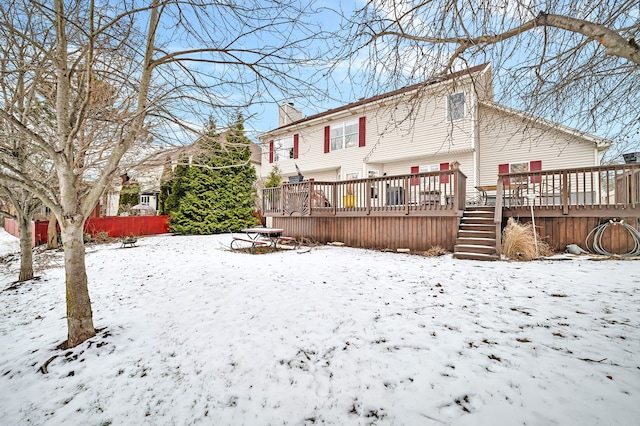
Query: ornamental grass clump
435	251
518	242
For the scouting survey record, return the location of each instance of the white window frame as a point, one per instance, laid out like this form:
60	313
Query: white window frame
352	176
283	149
435	180
519	167
344	135
145	199
455	111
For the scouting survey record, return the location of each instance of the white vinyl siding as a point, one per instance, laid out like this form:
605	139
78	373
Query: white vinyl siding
409	130
503	141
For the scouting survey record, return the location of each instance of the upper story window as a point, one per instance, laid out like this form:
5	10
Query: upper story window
455	106
344	135
283	148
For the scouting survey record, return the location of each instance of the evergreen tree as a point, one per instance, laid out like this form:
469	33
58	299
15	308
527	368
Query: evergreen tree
219	196
165	187
274	179
175	187
129	197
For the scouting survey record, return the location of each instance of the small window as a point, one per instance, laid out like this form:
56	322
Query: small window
283	149
344	135
144	199
455	107
433	180
352	176
519	168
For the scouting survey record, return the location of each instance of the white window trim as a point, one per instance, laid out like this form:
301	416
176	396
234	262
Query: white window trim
283	148
527	163
435	180
352	176
343	136
464	106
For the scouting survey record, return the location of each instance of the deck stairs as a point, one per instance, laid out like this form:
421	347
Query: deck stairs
476	238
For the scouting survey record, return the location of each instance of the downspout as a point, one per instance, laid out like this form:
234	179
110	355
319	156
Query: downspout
475	140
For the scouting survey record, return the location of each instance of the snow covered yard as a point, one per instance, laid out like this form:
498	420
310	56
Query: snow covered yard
191	333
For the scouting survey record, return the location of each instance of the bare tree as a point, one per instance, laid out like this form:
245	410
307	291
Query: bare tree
25	206
573	62
17	156
119	75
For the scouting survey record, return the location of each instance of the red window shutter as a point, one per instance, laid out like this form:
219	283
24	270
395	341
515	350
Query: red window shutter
535	166
504	168
295	146
362	129
414	180
444	178
327	139
271	151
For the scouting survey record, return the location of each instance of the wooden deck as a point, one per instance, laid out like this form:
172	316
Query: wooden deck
422	194
418	211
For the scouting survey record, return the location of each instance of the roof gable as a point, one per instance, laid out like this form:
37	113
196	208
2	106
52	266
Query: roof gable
441	79
601	143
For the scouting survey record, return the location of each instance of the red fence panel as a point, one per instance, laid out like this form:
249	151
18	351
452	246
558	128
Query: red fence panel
41	231
11	226
121	226
114	226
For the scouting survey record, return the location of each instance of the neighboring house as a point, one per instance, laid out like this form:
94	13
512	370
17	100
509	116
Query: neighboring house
149	174
425	127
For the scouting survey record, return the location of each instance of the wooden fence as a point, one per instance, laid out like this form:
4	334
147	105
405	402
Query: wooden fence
114	226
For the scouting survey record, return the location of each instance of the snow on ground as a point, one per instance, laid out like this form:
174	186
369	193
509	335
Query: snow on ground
191	333
8	243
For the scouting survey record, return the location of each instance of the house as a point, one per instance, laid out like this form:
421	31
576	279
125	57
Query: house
425	127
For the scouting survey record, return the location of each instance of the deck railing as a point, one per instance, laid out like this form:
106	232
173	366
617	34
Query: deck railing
430	193
616	186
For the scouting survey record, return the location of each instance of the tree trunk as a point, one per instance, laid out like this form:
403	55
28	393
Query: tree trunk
79	315
26	246
52	232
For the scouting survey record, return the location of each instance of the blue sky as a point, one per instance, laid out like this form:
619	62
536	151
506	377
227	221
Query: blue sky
346	81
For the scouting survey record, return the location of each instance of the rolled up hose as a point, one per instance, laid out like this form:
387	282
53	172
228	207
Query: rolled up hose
598	232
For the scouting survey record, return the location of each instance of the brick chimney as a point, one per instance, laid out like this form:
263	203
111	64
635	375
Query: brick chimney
288	114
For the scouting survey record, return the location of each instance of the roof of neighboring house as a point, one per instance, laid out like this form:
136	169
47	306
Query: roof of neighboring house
601	143
440	79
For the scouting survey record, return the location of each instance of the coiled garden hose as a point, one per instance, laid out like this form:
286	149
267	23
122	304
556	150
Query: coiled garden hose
598	232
